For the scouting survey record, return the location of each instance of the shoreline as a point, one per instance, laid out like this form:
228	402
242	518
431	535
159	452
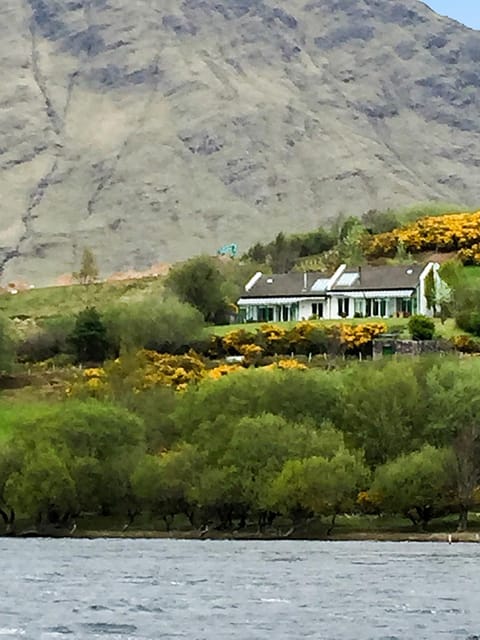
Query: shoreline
448	538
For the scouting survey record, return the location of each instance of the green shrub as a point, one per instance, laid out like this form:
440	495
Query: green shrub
467	314
421	328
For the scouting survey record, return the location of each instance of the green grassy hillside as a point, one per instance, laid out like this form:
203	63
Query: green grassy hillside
51	301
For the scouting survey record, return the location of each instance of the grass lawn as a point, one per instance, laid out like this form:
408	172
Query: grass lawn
52	301
13	413
395	325
471	275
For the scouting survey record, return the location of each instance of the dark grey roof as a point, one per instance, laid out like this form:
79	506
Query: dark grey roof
385	277
285	284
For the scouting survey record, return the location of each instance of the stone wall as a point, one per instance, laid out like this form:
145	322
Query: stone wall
393	346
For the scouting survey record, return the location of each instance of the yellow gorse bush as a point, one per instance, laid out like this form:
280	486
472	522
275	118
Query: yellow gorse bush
224	370
359	335
146	369
452	232
170	370
291	363
235	340
94	373
272	332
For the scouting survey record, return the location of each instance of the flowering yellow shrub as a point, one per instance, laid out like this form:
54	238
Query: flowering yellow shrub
170	370
251	353
370	502
291	363
452	232
272	333
466	344
301	332
92	383
470	255
358	335
224	370
94	373
233	341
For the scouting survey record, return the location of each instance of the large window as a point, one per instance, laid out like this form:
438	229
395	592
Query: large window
376	308
359	307
265	314
317	309
405	306
343	307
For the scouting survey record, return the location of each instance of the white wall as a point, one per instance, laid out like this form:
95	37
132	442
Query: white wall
305	308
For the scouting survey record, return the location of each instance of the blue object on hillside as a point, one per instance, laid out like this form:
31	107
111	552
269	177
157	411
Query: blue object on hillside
228	250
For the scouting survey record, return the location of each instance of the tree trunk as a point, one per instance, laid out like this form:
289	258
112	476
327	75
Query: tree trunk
168	519
463	519
9	520
332	524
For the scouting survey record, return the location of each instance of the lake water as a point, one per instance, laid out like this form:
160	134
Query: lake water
286	590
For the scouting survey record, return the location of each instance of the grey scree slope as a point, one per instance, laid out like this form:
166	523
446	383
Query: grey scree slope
155	129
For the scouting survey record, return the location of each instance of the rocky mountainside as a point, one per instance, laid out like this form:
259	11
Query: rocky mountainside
149	130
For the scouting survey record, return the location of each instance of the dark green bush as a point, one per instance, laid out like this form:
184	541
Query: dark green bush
421	328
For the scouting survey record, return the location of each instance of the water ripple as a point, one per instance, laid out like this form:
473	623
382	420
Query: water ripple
152	589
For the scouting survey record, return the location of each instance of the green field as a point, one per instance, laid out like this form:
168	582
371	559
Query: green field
471	275
52	301
14	413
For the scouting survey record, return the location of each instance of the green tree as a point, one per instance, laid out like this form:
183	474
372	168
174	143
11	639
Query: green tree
89	337
6	345
215	406
200	283
107	439
218	494
167	326
88	272
351	238
376	221
384	409
164	483
467	309
44	488
421	328
73	457
415	485
321	485
430	291
258	448
50	339
9	464
454	411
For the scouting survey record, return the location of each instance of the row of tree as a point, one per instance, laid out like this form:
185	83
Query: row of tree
343	239
398	437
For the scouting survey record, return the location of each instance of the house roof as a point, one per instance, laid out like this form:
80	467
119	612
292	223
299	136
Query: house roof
387	277
288	284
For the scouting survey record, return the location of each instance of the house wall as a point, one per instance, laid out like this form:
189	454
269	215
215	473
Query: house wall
392	306
388	307
333	311
306	308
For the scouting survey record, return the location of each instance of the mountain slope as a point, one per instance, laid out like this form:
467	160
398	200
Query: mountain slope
152	130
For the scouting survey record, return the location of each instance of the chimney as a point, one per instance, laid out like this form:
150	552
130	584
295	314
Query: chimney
305	281
360	274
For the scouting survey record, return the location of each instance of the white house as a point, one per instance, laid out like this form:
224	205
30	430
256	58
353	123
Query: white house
368	292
